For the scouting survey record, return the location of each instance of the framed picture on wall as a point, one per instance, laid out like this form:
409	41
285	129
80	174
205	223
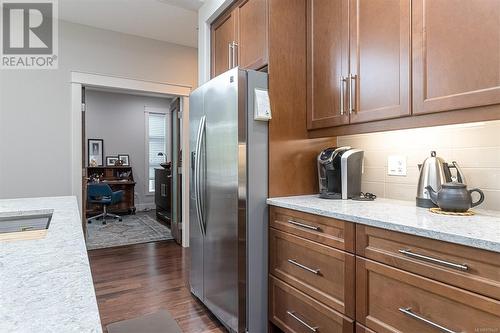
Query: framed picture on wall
111	160
125	159
95	152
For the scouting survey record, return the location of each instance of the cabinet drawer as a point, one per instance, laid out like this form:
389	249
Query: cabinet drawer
392	300
361	329
465	267
325	230
325	273
295	312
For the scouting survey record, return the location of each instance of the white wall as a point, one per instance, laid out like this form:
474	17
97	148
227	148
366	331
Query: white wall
206	15
35	105
119	120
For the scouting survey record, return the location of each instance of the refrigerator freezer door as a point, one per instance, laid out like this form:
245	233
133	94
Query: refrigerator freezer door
195	234
222	271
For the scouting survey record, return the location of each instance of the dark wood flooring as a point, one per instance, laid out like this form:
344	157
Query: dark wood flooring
134	280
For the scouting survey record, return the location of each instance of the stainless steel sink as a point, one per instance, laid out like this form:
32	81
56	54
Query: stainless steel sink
25	221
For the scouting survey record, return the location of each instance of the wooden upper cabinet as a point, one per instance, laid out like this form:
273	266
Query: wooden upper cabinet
379	59
456	50
327	63
252	34
239	37
223	35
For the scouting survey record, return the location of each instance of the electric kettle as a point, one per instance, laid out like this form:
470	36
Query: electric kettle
435	172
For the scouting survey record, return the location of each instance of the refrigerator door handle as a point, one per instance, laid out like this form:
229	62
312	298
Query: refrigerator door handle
197	166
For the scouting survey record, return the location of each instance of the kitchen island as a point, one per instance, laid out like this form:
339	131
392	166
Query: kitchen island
46	284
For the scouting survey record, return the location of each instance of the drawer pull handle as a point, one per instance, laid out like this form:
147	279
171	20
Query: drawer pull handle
311	328
408	253
410	313
307	226
304	267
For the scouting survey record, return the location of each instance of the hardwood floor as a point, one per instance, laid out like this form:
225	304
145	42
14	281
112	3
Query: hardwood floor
134	280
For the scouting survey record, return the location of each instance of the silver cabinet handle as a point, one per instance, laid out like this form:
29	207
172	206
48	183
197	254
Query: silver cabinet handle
230	55
307	226
235	54
292	314
343	79
304	267
410	313
408	253
352	101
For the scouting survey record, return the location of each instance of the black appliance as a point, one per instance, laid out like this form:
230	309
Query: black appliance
339	172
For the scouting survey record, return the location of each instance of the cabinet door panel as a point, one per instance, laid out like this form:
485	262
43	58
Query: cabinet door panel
380	59
456	46
327	61
223	33
388	299
252	34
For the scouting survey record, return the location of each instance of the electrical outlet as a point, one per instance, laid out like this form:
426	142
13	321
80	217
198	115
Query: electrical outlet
396	165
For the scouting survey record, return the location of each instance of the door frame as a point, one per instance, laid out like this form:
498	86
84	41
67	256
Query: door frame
81	79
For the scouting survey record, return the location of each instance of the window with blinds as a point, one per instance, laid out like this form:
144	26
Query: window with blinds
157	143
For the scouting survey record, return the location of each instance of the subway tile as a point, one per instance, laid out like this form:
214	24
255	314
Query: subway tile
477	135
374	174
477	157
400	191
475	146
491	200
484	178
377	188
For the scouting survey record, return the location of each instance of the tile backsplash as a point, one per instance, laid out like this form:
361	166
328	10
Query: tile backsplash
475	147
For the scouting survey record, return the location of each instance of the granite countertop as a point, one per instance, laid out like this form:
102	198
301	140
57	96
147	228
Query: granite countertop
480	231
46	284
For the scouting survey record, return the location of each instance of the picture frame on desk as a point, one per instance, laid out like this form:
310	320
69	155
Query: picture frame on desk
95	152
125	159
111	160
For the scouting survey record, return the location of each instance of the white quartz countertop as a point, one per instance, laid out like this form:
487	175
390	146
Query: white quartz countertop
46	284
480	231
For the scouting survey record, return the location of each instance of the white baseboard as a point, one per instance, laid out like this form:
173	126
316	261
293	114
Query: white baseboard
145	206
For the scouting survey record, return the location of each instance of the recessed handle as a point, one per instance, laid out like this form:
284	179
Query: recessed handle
303	225
410	313
304	267
308	326
409	253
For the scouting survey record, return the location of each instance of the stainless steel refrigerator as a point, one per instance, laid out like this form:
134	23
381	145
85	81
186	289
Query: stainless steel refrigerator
228	214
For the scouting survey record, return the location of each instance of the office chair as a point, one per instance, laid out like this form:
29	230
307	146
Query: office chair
102	194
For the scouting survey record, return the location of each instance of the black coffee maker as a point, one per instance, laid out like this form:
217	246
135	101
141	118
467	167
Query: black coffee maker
339	172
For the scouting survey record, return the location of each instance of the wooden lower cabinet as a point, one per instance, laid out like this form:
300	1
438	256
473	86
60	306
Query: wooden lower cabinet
295	312
461	266
328	231
325	273
390	283
392	300
362	329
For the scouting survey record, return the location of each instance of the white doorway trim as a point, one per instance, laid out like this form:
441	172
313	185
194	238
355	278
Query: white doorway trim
79	80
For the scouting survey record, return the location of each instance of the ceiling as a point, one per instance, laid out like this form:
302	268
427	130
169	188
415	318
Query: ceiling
173	21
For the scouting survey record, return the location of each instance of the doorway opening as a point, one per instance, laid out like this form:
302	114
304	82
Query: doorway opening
129	137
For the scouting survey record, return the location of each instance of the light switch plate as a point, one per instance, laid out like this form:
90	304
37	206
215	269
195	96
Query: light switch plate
262	105
396	165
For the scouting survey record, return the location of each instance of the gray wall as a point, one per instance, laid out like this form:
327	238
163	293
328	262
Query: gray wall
119	120
35	105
